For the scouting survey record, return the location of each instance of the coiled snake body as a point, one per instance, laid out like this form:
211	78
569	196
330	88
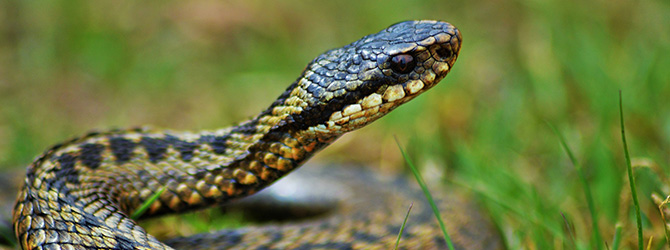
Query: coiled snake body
77	194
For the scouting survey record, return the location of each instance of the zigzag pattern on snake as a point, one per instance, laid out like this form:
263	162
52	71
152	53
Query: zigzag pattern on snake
77	195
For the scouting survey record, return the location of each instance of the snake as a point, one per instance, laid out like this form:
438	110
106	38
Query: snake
78	194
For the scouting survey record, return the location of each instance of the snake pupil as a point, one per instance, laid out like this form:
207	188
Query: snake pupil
403	64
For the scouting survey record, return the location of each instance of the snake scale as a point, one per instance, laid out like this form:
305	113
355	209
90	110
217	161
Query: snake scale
77	195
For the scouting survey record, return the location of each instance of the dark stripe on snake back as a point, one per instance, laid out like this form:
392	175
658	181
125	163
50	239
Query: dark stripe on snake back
78	194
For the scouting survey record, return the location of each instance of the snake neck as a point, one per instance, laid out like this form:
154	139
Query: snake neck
279	139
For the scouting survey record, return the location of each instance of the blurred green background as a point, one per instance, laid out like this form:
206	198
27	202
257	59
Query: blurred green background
69	66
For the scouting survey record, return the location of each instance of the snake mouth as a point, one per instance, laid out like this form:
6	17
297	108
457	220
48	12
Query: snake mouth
374	106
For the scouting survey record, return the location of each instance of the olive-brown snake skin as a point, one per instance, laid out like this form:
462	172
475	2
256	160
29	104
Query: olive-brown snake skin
77	195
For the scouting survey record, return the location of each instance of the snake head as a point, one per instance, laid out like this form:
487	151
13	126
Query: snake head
346	88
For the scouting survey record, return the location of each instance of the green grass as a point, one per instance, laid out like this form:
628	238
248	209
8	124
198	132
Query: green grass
597	238
402	227
617	236
146	204
663	209
68	66
631	180
426	192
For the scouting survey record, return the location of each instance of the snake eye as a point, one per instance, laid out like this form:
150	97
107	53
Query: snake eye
403	63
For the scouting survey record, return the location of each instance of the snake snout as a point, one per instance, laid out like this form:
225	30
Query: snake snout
443	52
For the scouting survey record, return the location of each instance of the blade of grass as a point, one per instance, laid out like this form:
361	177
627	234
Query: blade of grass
631	179
661	209
519	213
568	226
617	236
585	185
419	179
136	215
402	227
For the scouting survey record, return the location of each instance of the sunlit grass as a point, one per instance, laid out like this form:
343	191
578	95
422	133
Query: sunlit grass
663	210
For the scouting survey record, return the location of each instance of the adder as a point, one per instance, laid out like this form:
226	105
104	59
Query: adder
78	194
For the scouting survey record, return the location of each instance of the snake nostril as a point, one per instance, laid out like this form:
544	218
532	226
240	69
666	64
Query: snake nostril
444	53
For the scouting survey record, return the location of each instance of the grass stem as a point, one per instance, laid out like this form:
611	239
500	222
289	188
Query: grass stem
402	227
631	179
136	215
419	179
597	238
617	236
